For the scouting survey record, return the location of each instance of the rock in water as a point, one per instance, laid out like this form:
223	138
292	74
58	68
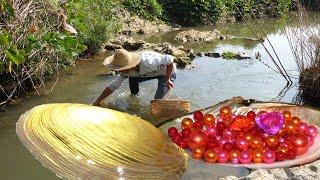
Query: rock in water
78	141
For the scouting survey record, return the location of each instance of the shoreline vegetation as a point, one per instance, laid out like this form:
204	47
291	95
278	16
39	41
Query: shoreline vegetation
39	38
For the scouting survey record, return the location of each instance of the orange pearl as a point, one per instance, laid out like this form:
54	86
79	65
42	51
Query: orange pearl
248	136
256	143
257	156
186	123
209	120
287	116
272	141
283	149
295	120
210	156
226	112
282	132
197	153
234	153
291	128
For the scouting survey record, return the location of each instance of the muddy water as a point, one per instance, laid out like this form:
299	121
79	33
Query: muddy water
212	81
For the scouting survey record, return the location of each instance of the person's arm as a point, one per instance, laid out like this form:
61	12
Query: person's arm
169	73
106	92
109	89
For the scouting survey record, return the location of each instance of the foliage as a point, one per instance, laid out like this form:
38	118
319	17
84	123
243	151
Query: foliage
32	45
228	55
193	12
94	21
149	9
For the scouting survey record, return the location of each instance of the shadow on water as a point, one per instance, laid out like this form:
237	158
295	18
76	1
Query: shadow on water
212	81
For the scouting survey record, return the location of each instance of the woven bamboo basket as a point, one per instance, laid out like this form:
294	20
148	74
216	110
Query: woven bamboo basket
169	108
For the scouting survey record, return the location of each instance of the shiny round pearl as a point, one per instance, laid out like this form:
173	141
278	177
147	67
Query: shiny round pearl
211	132
221	142
302	128
235	160
227	134
269	156
310	140
313	131
245	157
243	144
219	120
222	156
282	140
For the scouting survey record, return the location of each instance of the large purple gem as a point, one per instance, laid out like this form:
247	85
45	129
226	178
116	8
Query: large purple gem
271	122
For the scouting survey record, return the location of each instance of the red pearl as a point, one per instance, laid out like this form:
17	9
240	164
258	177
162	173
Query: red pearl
228	146
292	154
251	115
301	144
198	115
302	128
172	131
186	133
280	156
182	144
198	124
211	132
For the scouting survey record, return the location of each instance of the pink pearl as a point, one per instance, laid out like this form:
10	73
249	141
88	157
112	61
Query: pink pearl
218	138
245	157
282	140
217	150
211	132
265	135
313	131
302	128
227	134
221	142
223	156
231	141
219	119
233	116
310	140
269	156
242	144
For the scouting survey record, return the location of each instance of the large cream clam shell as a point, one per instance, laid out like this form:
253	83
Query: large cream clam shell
84	142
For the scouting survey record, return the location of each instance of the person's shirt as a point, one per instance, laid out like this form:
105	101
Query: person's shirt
152	64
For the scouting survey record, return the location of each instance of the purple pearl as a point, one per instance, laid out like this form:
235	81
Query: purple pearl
269	156
245	157
313	131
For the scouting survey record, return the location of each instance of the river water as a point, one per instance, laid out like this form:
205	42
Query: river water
212	80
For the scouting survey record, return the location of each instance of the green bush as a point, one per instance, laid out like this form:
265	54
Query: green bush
149	9
94	21
192	12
